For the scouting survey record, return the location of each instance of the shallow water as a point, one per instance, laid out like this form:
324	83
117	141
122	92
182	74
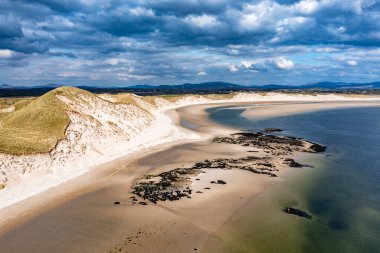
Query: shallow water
341	192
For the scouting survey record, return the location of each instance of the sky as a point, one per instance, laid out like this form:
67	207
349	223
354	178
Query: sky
116	42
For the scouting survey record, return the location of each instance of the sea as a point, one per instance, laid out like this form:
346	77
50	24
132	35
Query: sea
340	189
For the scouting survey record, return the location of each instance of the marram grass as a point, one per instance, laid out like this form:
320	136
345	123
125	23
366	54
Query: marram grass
36	125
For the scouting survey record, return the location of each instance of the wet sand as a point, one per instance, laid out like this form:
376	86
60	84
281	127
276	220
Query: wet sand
80	215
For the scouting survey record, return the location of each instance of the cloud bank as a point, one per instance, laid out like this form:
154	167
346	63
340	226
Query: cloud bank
99	42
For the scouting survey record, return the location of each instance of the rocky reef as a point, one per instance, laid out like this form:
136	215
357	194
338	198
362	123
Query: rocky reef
175	184
273	144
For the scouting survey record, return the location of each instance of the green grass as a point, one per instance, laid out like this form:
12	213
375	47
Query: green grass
129	99
8	102
125	98
174	97
36	125
221	96
149	99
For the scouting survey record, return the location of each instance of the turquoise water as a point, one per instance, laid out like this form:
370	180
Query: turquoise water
342	191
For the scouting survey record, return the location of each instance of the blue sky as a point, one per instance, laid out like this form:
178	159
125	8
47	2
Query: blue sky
115	42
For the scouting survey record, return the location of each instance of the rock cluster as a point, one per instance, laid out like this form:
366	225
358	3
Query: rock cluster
175	184
170	185
256	170
275	145
219	181
272	130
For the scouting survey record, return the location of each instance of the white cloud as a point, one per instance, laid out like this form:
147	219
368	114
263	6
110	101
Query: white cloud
202	73
112	62
203	21
342	29
267	64
124	76
352	63
233	68
283	63
307	6
139	11
6	53
257	17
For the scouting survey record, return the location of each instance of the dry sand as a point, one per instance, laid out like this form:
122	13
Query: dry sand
80	215
274	109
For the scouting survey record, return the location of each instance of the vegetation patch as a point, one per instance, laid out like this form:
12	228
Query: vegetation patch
149	99
221	96
173	97
36	125
126	98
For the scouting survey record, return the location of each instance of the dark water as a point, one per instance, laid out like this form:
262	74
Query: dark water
341	192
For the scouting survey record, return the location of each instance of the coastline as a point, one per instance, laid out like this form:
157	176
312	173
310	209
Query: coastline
115	135
211	210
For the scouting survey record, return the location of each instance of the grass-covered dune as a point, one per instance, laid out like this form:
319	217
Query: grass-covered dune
37	124
34	126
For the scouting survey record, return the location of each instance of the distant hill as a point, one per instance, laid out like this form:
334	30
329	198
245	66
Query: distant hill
194	86
44	86
232	86
324	86
5	86
7	90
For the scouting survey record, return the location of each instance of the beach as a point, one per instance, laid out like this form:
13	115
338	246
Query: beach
80	215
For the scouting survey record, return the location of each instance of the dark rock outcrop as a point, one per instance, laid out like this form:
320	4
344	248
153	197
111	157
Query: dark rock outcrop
291	163
272	130
297	212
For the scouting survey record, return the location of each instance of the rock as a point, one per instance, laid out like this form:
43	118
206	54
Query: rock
272	130
258	170
297	212
207	188
170	186
273	144
213	182
317	148
142	203
221	182
291	163
116	203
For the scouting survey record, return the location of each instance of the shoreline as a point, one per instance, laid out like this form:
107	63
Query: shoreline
182	210
29	175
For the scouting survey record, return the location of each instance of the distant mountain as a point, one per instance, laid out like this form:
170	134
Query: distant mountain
213	86
270	87
193	86
44	86
6	86
51	85
343	85
322	86
7	90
